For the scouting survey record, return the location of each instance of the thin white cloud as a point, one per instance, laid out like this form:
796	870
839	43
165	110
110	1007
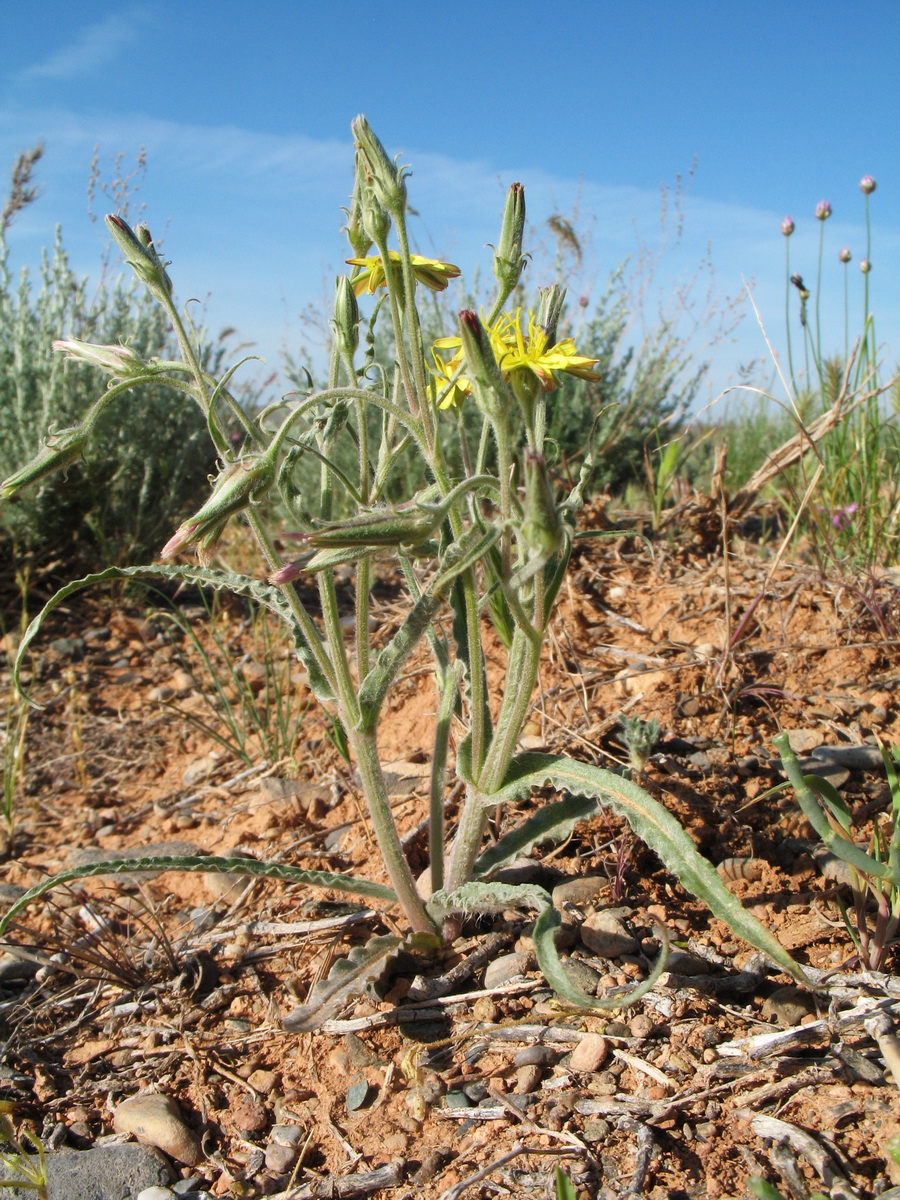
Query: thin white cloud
96	46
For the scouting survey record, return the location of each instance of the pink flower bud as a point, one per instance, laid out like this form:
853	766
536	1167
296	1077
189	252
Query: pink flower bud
865	266
867	184
845	255
823	210
787	226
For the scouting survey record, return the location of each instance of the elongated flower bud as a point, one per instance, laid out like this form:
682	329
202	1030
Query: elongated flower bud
237	484
542	530
383	176
845	255
346	317
59	451
865	266
481	366
140	253
549	310
119	361
509	260
823	210
360	242
787	226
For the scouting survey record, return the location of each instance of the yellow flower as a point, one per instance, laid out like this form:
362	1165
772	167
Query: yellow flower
515	350
430	271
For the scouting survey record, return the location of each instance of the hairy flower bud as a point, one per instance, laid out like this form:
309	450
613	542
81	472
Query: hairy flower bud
383	176
865	266
549	309
360	241
867	185
787	226
823	210
542	530
845	255
481	365
509	260
59	451
140	254
238	483
346	317
119	361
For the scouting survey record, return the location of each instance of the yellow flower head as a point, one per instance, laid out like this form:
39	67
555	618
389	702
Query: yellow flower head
430	271
515	350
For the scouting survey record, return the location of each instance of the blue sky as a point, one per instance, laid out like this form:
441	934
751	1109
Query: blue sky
244	112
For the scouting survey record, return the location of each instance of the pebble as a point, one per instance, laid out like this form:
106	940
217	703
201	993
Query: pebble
528	1079
484	1009
503	969
156	1193
641	1026
157	1120
160	693
582	976
802	741
856	758
579	891
536	1056
824	768
193	1186
199	770
788	1005
595	1130
606	936
590	1053
249	1115
281	1159
14	967
101	1171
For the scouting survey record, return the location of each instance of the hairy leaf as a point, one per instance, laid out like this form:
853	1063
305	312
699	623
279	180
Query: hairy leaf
487	898
555	973
655	825
347	978
266	594
379	679
551	822
198	862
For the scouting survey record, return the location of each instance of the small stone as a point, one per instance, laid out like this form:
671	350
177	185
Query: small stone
188	1187
855	758
182	683
804	740
590	1053
14	967
484	1009
641	1026
503	969
264	1081
155	1193
579	892
160	693
249	1115
788	1006
287	1135
536	1056
528	1079
595	1130
72	648
585	978
156	1120
281	1159
606	936
199	770
357	1095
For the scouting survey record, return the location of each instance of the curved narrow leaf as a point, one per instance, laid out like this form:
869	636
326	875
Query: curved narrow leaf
348	977
551	822
199	862
656	826
266	594
555	973
487	898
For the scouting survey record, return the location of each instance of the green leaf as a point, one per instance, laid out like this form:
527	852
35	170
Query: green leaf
266	594
763	1189
552	822
655	825
555	973
379	679
197	862
487	898
348	977
833	799
564	1188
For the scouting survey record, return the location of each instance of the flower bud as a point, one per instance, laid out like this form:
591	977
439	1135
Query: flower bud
382	175
59	451
481	365
865	266
140	253
823	210
346	317
119	361
787	226
376	220
867	185
509	260
360	242
845	255
542	530
549	309
238	483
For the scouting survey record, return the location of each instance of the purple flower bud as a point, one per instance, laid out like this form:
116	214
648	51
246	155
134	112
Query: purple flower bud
865	266
845	255
787	226
823	210
867	184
